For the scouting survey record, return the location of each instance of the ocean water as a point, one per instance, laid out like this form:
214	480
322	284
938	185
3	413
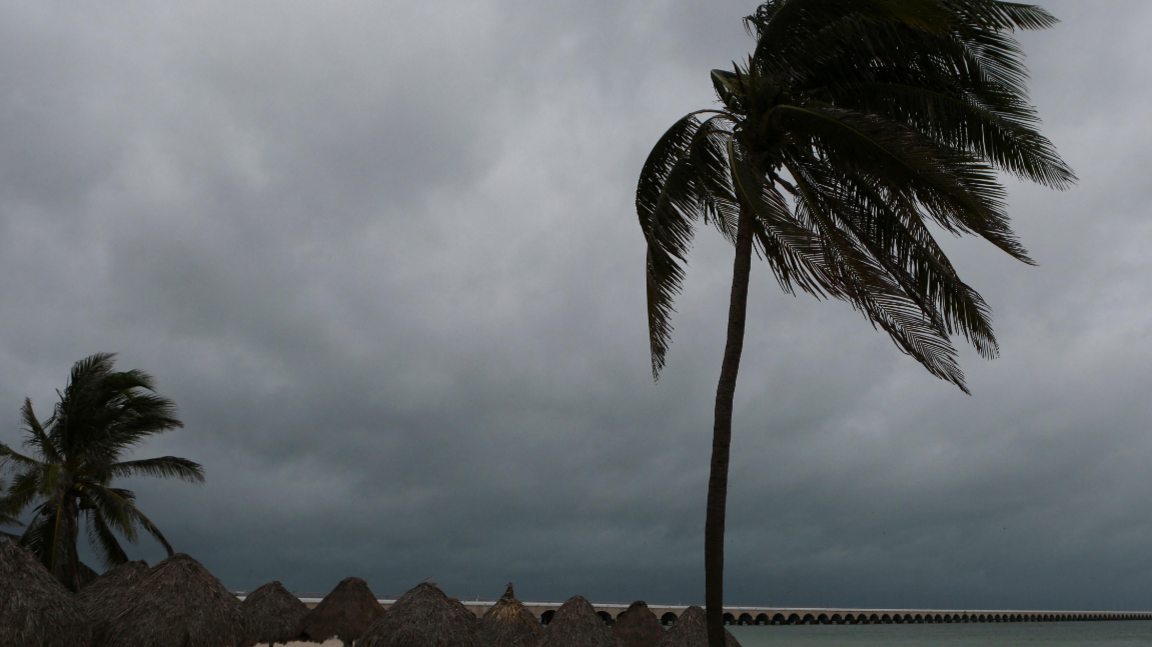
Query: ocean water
993	634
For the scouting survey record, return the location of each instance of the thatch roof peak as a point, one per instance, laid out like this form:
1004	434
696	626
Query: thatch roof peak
273	615
345	613
638	626
177	603
35	609
508	624
103	596
577	625
423	617
690	630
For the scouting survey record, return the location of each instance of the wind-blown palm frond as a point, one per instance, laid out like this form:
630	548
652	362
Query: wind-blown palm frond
123	500
7	519
104	542
77	454
11	457
161	467
868	153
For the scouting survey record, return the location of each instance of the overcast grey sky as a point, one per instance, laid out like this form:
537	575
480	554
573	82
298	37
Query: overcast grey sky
384	258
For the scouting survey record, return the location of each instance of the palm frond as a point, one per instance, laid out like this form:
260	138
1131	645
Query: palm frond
1006	140
792	251
1001	15
871	288
666	202
38	438
47	534
959	191
122	500
22	491
104	541
160	467
11	457
6	518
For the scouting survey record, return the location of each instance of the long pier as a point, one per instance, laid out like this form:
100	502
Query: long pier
668	614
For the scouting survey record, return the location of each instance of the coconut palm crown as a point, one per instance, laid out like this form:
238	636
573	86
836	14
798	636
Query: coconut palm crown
77	453
853	128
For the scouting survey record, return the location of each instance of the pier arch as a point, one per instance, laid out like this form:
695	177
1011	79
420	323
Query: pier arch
668	618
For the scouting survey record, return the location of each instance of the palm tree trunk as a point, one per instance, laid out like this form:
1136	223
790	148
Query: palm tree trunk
722	435
71	567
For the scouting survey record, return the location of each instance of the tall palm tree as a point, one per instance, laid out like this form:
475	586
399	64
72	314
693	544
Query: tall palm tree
852	126
77	453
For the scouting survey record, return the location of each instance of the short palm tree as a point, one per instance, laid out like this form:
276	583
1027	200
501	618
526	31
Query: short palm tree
853	127
77	453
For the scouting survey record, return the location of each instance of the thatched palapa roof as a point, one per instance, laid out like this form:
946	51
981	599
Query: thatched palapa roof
423	617
273	615
345	613
103	596
576	625
35	609
87	575
638	626
690	630
508	624
177	603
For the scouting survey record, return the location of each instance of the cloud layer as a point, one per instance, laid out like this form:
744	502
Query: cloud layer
384	259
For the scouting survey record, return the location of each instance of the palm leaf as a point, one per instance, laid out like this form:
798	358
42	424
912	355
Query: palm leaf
122	502
160	467
103	541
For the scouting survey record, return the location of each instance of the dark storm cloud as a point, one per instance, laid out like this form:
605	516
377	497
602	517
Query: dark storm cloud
384	259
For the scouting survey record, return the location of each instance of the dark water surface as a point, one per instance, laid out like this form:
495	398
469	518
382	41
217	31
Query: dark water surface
1032	634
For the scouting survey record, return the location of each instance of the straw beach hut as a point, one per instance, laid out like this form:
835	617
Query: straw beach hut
35	609
345	613
638	626
273	615
177	603
576	625
101	598
689	630
423	617
508	624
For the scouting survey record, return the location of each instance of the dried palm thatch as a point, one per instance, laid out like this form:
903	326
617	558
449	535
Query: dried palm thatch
690	630
576	625
102	597
35	609
345	613
180	603
87	575
638	626
508	624
273	615
423	617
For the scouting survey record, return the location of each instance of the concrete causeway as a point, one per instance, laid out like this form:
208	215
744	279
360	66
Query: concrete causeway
818	616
